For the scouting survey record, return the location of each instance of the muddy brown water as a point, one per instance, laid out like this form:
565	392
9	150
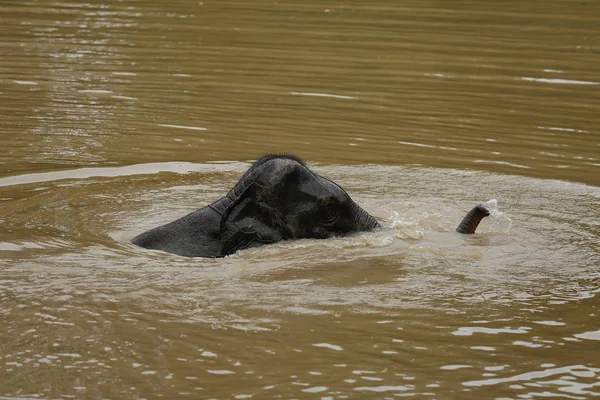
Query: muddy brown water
117	116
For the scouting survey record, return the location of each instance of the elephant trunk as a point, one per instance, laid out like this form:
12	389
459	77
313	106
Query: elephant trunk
471	221
365	222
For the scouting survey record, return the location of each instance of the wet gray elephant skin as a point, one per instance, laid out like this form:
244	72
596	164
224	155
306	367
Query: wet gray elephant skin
278	198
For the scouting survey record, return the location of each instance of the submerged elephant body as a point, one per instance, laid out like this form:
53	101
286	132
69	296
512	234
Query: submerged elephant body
278	198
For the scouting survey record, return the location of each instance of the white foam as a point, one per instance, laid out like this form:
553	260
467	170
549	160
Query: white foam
220	372
25	82
381	388
453	367
329	346
335	96
592	335
470	330
559	81
315	389
193	128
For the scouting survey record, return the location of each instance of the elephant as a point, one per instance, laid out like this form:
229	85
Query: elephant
278	198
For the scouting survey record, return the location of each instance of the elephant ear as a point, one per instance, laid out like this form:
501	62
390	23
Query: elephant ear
247	223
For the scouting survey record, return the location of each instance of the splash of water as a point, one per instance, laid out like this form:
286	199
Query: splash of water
407	228
498	221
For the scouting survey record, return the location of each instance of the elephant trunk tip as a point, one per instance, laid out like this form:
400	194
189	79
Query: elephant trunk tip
365	222
471	221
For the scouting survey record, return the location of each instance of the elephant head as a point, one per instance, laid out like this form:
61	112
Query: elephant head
279	198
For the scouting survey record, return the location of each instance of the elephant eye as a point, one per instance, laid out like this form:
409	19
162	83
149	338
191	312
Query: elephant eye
330	215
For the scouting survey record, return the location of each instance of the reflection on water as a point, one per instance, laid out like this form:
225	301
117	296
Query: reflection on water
118	116
457	85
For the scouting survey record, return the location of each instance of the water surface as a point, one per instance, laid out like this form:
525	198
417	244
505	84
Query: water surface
118	116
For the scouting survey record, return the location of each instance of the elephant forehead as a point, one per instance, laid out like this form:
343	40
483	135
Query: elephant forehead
276	170
280	167
296	178
334	189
